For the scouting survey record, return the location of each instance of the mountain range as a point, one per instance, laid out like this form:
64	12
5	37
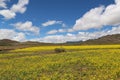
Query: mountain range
109	39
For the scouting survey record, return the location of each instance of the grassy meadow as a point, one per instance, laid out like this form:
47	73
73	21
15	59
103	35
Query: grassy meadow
95	62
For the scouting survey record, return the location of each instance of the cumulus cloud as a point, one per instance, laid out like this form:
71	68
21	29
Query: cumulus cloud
56	31
99	17
51	22
3	4
7	14
20	7
20	37
70	30
11	34
62	30
52	32
50	39
81	36
27	26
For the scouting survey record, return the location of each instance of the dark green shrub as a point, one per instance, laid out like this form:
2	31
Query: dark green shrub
60	50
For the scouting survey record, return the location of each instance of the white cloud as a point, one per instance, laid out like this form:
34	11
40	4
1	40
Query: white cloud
7	14
81	36
62	30
50	39
117	1
56	31
70	30
52	32
20	37
99	17
20	7
64	25
90	20
27	26
11	34
3	4
51	22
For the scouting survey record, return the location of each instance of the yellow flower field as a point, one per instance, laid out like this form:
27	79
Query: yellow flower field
44	48
83	63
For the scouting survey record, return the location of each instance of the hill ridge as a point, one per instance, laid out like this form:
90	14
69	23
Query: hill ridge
109	39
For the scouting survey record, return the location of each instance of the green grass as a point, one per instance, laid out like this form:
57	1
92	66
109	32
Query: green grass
85	64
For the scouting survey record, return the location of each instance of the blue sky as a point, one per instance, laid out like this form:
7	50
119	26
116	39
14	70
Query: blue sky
58	20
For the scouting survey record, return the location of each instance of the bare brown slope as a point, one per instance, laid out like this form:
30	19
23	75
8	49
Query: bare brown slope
109	39
7	42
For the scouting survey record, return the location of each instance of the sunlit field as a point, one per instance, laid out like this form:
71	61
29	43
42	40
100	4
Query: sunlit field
77	63
45	48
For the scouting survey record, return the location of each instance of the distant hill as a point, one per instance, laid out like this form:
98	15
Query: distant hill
109	39
32	43
7	42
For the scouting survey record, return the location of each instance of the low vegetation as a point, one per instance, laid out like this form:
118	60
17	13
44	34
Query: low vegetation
59	50
78	63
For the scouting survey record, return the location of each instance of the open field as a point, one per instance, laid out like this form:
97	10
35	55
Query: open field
78	63
45	48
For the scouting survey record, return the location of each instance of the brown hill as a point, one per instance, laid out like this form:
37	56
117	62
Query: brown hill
7	42
109	39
